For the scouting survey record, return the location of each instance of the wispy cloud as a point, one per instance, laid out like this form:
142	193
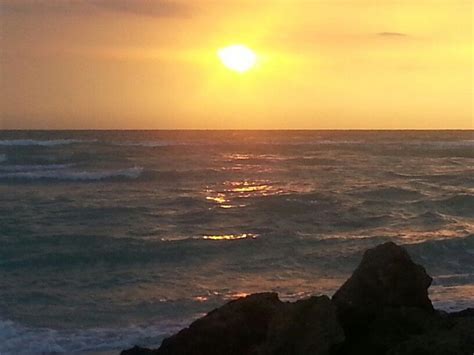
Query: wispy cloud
392	34
153	8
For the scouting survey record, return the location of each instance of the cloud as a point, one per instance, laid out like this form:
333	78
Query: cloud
392	34
152	8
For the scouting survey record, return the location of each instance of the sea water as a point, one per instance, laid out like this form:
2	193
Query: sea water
115	238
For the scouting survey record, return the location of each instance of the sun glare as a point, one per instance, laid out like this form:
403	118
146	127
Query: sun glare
237	57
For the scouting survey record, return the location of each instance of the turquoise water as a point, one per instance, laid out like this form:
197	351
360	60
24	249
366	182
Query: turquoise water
110	239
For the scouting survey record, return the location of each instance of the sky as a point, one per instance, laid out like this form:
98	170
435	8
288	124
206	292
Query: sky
152	64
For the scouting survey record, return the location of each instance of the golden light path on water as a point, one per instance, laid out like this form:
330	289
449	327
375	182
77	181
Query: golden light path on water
231	195
234	193
230	236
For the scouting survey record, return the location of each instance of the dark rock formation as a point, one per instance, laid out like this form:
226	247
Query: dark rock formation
385	277
468	312
238	327
384	302
383	308
308	326
259	324
454	336
136	350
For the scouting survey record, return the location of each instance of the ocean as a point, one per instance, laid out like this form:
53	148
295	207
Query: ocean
114	238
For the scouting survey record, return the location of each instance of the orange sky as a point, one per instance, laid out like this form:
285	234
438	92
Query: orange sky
151	64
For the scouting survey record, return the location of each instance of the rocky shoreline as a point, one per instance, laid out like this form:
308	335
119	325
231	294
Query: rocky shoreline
383	308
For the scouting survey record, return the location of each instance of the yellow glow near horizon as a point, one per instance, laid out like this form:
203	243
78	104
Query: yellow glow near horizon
237	57
300	65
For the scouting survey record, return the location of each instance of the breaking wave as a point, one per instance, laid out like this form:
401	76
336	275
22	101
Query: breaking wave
43	143
149	144
58	173
18	339
32	168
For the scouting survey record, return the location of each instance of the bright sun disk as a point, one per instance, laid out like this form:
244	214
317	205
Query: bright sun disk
237	57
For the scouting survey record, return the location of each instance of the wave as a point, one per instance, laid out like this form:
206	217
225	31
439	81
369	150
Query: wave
18	339
445	256
444	144
32	168
313	161
461	205
430	218
72	175
43	143
452	298
165	143
390	193
458	200
151	144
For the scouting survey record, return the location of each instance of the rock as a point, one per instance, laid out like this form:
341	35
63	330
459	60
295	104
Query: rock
306	327
136	350
468	312
239	327
389	327
259	324
382	309
411	331
386	277
448	336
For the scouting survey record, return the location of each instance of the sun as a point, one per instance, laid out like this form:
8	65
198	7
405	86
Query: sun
237	57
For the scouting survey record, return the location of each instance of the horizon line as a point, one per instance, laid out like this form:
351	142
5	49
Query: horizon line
239	129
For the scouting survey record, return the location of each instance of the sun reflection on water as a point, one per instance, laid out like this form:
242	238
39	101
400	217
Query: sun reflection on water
230	236
219	199
231	192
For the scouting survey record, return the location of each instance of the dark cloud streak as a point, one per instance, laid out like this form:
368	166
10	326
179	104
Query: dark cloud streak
392	34
151	8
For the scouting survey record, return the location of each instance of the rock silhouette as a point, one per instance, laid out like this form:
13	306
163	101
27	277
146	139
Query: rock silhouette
383	308
386	277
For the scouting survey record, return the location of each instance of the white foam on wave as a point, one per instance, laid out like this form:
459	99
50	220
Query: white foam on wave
33	167
149	144
18	339
312	142
73	175
446	144
43	143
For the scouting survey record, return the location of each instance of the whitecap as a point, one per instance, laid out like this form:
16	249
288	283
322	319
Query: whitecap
149	144
43	143
33	167
74	175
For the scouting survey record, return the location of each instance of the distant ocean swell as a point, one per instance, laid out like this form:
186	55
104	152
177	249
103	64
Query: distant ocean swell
42	143
165	143
61	173
70	172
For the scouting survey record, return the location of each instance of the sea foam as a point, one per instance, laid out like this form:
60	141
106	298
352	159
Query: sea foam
16	339
43	143
70	175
